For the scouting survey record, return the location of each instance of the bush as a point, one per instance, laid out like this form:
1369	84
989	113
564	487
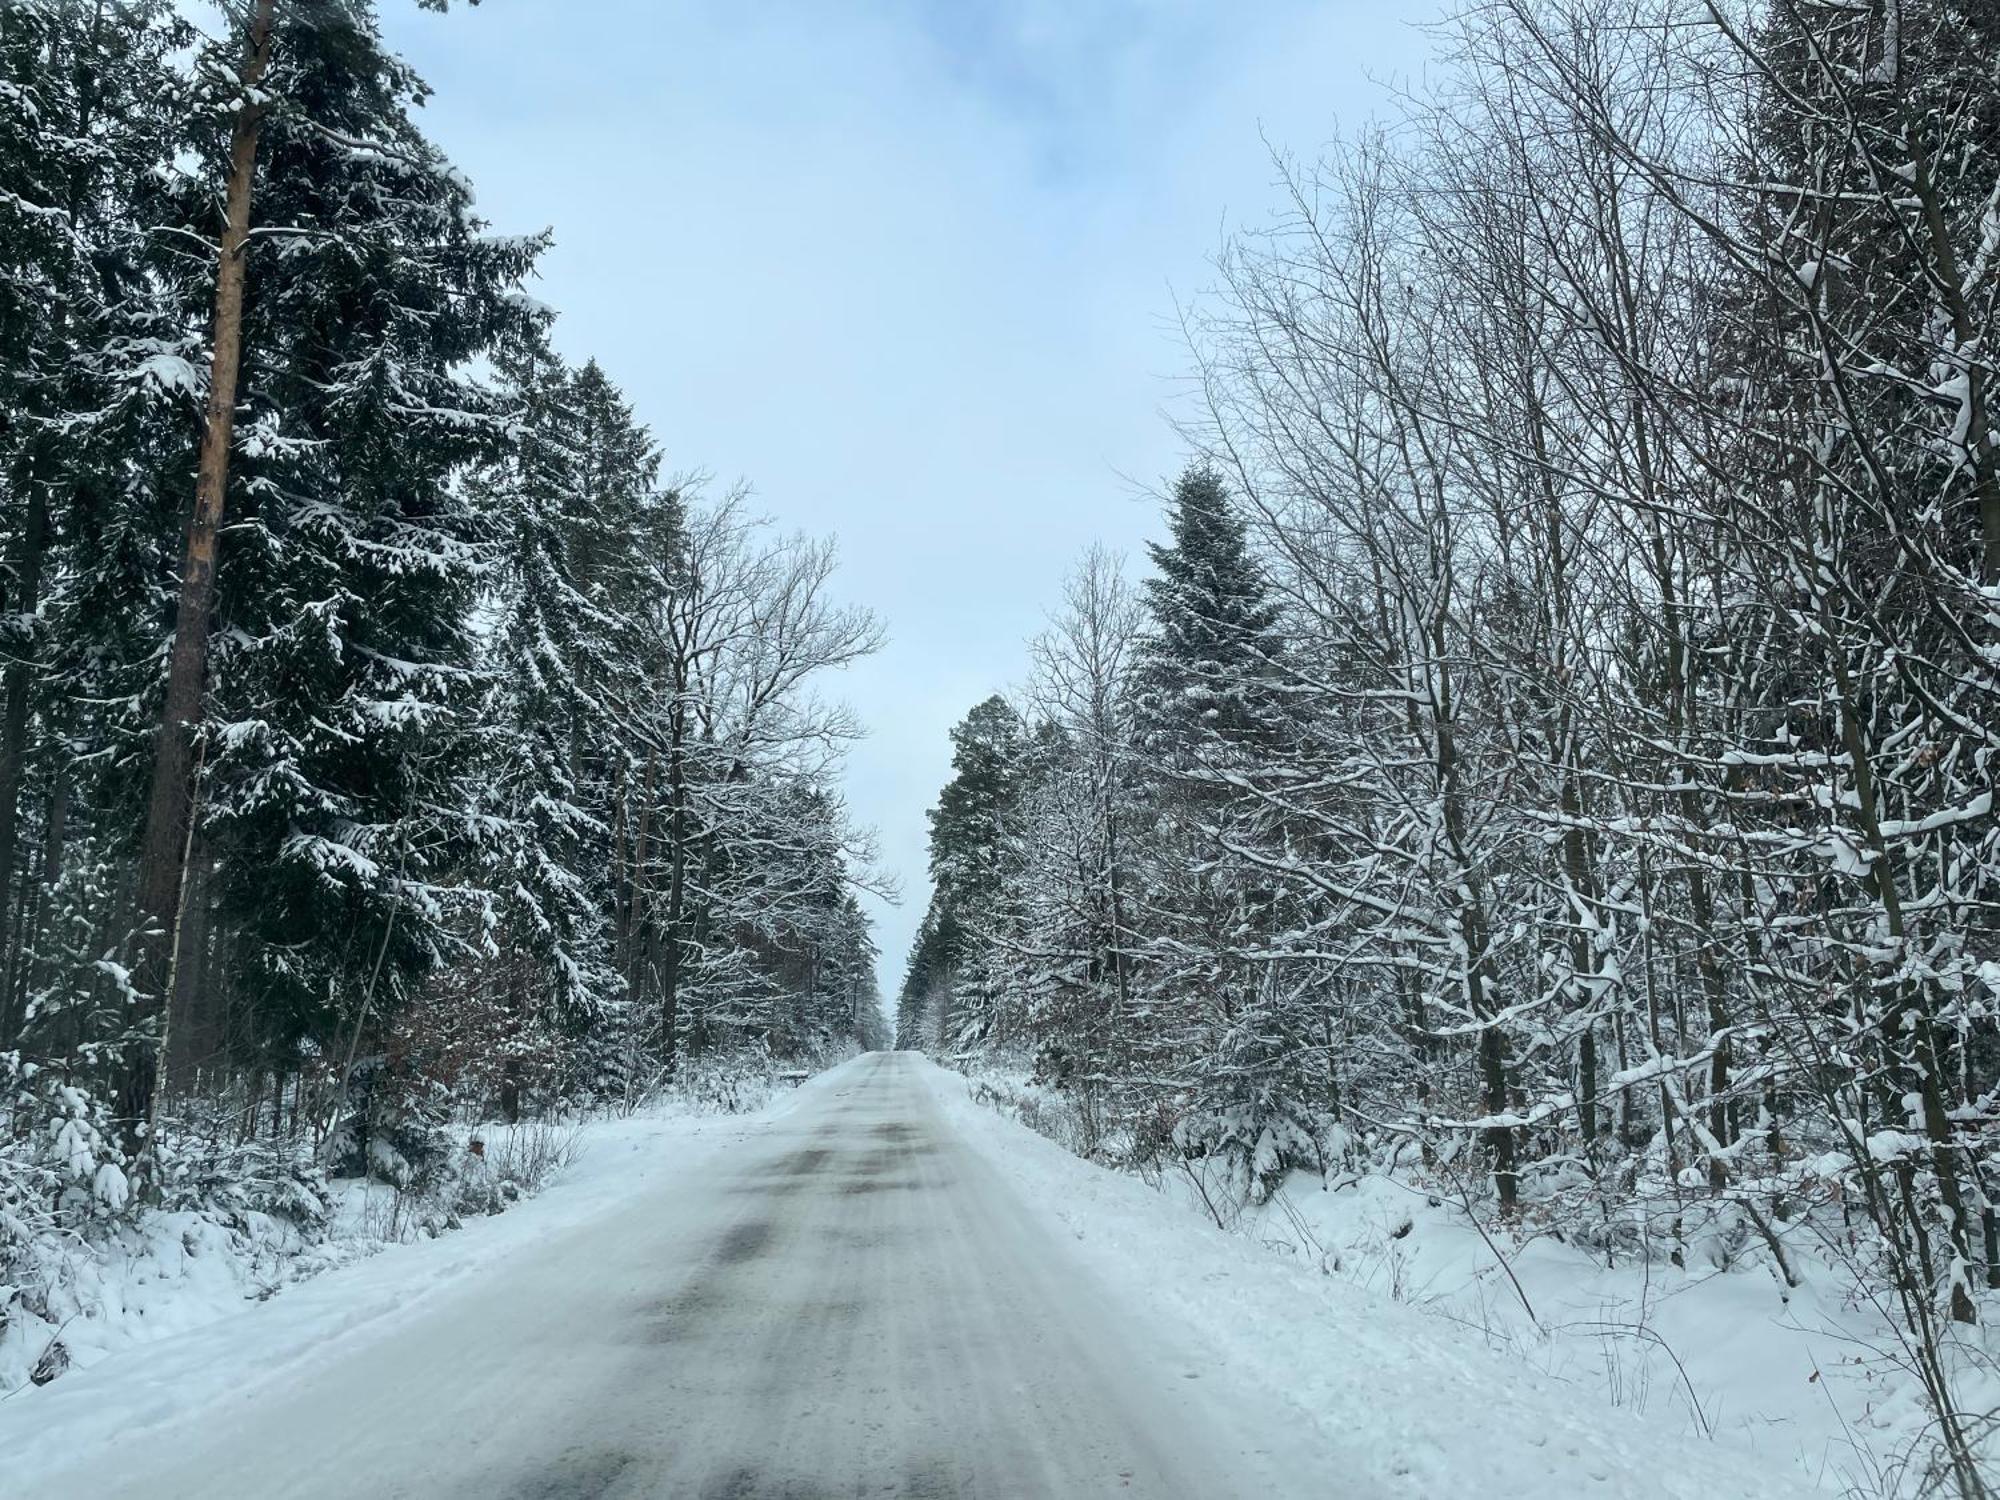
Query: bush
60	1178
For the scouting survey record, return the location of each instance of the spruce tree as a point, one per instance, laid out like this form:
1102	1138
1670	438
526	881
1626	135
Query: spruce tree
1208	663
339	760
98	388
971	826
567	511
1211	716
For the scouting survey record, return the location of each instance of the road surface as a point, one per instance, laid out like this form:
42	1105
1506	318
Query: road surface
851	1304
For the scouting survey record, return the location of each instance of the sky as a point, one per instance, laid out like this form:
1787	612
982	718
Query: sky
907	268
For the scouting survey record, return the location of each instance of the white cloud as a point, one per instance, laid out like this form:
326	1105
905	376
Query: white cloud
905	266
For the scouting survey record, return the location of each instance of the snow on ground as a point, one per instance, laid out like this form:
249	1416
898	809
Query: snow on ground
194	1299
1801	1373
1421	1405
1357	1365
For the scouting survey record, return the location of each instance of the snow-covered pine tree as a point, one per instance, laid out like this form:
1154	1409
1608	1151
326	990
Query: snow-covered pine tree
94	439
919	998
338	764
1211	711
972	827
570	511
41	266
1209	660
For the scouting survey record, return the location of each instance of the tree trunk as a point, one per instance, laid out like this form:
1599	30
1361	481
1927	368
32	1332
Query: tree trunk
182	1045
638	915
670	935
510	1091
163	847
27	961
621	875
19	689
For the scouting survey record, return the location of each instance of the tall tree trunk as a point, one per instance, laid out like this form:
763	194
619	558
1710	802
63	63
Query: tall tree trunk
621	872
670	967
18	693
163	847
516	1006
638	913
1579	867
30	959
182	1045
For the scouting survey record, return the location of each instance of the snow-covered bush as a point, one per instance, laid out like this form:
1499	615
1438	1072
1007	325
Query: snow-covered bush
1255	1142
1046	1111
727	1084
498	1165
228	1218
61	1178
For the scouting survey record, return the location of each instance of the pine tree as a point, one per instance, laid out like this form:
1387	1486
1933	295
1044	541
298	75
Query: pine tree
971	829
1211	717
335	771
1208	664
99	388
568	510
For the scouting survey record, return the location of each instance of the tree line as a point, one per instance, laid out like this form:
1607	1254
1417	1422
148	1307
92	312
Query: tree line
1555	746
380	725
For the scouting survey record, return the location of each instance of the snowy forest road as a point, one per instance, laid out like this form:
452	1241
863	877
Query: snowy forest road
853	1304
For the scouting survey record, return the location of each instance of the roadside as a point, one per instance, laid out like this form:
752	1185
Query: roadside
208	1341
1414	1404
1309	1373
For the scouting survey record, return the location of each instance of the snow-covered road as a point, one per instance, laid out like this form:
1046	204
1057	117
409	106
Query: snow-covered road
878	1289
849	1302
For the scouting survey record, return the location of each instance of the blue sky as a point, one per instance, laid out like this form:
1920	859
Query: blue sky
908	267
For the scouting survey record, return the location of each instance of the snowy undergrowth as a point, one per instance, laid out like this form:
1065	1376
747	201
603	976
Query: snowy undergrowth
1719	1344
673	1139
241	1224
1716	1344
77	1291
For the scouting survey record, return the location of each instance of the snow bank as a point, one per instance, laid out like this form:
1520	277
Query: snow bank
1718	1345
1417	1405
207	1303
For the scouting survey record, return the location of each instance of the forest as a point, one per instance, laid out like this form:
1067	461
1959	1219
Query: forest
388	740
1550	756
1541	778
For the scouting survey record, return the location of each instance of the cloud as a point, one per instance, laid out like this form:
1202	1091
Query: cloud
905	265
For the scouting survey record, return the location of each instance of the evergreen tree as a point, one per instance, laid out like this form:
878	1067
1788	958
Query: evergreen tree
340	757
1211	722
566	509
972	826
95	422
1208	664
974	812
